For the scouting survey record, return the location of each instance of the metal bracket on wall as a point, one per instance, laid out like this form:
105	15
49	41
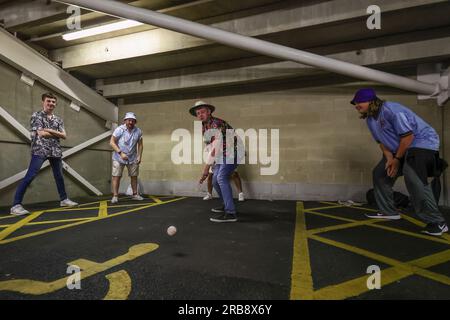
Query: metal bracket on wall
435	73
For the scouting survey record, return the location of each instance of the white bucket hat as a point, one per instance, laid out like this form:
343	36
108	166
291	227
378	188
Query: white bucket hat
199	104
130	115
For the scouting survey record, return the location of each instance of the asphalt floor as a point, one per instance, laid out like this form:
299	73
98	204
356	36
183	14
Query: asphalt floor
278	250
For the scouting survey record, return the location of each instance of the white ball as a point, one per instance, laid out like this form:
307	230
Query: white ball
171	230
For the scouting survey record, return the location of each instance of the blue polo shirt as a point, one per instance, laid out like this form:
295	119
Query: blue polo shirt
395	121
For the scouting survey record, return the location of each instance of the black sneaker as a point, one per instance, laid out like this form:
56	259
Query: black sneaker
380	215
219	209
226	217
435	229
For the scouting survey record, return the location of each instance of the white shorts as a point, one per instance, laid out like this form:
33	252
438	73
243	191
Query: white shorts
117	169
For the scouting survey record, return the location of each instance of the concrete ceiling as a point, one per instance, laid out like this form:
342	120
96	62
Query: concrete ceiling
141	61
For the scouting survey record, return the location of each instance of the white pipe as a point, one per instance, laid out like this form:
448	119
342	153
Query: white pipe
122	10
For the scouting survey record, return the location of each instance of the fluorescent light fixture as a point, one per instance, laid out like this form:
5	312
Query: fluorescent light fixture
124	24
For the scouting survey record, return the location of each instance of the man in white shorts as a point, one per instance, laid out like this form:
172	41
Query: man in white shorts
127	144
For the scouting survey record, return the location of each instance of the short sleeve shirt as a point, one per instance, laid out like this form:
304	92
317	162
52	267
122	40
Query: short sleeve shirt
41	146
395	121
222	126
127	142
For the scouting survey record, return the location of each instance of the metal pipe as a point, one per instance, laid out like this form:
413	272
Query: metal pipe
122	10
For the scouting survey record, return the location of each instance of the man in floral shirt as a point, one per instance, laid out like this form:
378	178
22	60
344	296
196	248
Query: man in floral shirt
223	153
46	130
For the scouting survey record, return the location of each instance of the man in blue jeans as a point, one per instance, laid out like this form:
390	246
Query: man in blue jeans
223	153
46	130
410	147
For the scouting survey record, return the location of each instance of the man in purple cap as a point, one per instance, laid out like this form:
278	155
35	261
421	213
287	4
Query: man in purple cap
223	152
410	148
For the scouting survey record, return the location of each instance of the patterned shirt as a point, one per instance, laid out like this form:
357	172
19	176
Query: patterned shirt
127	142
222	126
42	146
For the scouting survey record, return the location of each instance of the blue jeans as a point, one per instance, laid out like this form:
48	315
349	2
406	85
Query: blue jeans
221	182
33	169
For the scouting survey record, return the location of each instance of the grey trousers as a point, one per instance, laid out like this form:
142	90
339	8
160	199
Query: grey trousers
421	195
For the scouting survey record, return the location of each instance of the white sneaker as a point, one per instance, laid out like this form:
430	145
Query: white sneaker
241	196
114	200
18	210
68	203
208	196
137	197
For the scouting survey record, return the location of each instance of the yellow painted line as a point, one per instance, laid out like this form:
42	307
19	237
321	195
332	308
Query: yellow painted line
412	234
33	287
71	209
351	207
103	209
6	232
342	226
83	222
119	286
371	223
157	200
89	203
8	217
130	205
398	264
51	222
358	286
326	215
324	208
432	260
301	277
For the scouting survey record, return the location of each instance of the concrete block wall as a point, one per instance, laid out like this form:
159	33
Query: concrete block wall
20	101
446	152
326	151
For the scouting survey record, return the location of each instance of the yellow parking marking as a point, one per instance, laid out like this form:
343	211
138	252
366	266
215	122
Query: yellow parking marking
4	241
157	200
103	209
129	205
6	232
432	260
342	226
50	222
33	287
373	223
331	216
8	217
301	277
396	272
398	264
119	286
324	208
358	286
412	234
89	203
71	209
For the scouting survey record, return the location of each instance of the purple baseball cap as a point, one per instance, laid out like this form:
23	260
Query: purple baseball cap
364	95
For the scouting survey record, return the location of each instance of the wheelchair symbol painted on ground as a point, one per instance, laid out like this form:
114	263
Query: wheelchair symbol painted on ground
119	282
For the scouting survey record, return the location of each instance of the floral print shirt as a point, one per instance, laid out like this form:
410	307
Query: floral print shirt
42	146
